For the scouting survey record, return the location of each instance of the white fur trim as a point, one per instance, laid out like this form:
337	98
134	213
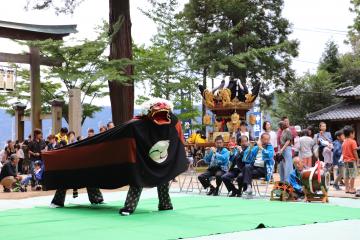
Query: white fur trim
145	107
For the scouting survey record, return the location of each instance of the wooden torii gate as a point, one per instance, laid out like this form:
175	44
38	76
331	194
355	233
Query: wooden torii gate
32	32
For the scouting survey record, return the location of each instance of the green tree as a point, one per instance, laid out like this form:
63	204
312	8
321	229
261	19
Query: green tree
354	29
121	92
84	66
63	6
163	66
349	73
330	60
248	39
309	93
198	17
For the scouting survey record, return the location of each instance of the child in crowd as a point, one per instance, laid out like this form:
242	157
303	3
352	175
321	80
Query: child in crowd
306	144
37	177
338	163
350	156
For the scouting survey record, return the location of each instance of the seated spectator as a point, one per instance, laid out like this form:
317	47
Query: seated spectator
2	158
62	143
9	176
71	137
102	129
197	137
295	177
218	159
236	166
53	143
189	156
21	155
90	132
37	176
110	125
9	150
259	162
62	135
26	162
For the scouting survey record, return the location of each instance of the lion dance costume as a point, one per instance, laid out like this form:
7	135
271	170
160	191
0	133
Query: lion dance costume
146	151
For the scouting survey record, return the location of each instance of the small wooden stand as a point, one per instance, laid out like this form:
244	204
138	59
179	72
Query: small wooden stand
313	197
282	192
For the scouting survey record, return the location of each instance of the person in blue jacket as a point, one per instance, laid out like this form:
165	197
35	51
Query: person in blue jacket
295	177
259	162
338	163
218	160
236	165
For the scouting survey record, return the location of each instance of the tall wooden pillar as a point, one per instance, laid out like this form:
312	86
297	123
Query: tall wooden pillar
121	93
75	111
19	122
35	88
56	115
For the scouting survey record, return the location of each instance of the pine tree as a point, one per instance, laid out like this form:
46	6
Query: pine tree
330	59
163	66
244	39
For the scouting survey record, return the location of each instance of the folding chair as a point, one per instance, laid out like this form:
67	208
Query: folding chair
199	186
256	184
189	179
178	180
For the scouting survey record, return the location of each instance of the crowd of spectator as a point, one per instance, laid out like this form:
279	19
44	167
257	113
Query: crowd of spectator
289	151
21	165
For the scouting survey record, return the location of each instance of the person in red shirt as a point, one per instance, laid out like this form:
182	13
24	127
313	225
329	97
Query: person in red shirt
350	157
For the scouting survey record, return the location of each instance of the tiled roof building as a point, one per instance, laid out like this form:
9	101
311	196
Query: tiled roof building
347	112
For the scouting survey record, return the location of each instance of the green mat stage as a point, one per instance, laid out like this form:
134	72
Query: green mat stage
193	216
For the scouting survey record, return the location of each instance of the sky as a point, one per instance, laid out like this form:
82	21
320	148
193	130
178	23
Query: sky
314	22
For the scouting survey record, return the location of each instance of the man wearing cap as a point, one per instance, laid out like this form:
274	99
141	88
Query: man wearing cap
236	165
8	175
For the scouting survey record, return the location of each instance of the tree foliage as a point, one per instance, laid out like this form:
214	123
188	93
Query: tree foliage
308	94
330	60
163	66
60	6
244	39
83	65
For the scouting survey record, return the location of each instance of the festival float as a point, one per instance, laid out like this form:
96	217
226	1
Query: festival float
229	104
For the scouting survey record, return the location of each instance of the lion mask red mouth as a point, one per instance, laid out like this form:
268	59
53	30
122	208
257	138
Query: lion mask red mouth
160	113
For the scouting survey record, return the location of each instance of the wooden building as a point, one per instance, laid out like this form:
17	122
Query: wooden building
346	112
